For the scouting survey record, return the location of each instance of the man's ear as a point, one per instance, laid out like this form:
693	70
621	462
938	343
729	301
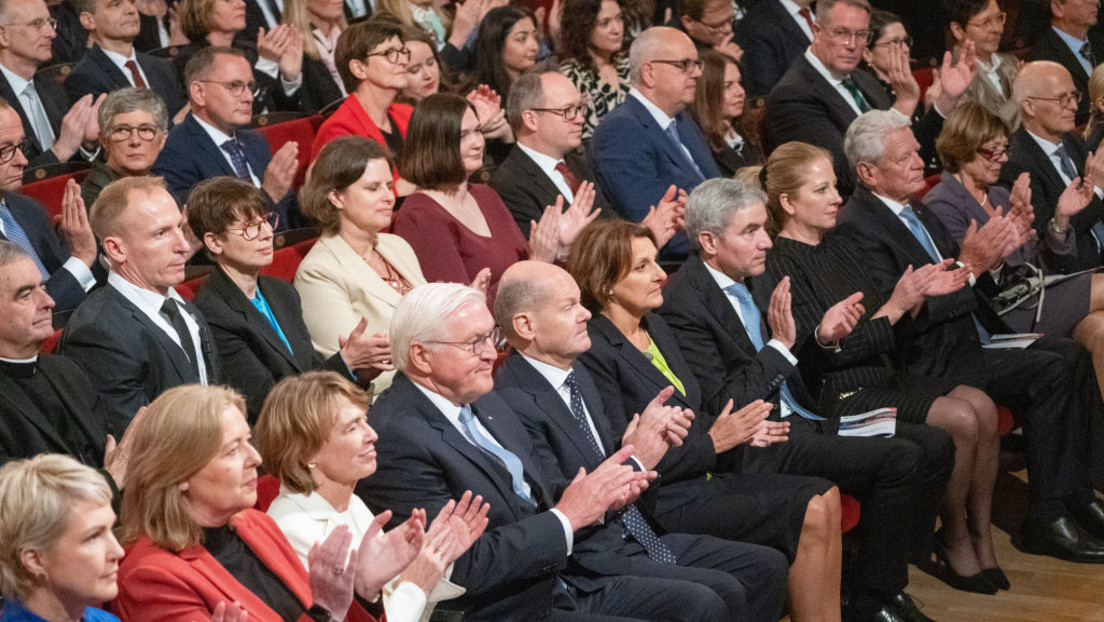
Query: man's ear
867	173
88	21
708	242
114	248
523	326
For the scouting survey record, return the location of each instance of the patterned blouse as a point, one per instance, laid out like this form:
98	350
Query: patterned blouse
603	97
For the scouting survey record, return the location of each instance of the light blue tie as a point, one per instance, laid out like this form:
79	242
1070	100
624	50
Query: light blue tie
672	131
16	235
740	292
504	456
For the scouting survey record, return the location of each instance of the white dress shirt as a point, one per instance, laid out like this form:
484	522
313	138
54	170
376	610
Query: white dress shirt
219	137
1075	45
1051	150
792	8
547	164
990	71
120	62
834	82
32	107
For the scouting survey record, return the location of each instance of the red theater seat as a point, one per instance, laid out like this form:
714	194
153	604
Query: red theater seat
286	260
50	191
301	131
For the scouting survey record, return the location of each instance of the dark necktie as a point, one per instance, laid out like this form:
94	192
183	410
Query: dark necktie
804	12
634	520
237	158
856	94
16	235
1087	53
503	456
1068	169
569	177
172	310
135	74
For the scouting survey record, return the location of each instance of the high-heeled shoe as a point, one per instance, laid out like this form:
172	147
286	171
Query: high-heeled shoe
976	583
997	577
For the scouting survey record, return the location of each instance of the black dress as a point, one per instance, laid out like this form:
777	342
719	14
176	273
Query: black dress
865	373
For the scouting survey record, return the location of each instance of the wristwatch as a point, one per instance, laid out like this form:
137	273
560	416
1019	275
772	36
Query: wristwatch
1056	229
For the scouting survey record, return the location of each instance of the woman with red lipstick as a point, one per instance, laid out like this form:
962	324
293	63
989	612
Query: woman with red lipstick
423	70
858	374
718	104
314	437
592	37
194	543
58	556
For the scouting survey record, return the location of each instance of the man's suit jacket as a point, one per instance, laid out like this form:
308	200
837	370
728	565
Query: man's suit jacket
804	107
26	432
253	356
526	189
71	39
54	101
1051	47
771	40
1047	185
52	250
130	359
635	161
149	35
96	74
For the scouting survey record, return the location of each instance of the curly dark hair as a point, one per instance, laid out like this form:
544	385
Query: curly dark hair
577	24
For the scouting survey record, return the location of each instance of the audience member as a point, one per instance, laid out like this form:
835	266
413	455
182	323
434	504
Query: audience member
821	93
212	139
1047	148
718	103
506	47
67	263
423	70
136	337
318	24
887	38
709	24
543	318
592	39
981	22
195	546
134	124
71	41
112	62
58	554
1069	43
651	142
56	134
313	436
257	321
1094	130
442	429
355	274
457	228
1051	380
429	18
455	51
773	34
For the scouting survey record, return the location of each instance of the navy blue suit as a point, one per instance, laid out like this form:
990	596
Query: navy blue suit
54	101
52	251
635	161
96	74
771	40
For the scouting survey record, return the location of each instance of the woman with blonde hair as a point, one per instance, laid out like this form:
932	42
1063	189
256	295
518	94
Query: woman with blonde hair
318	24
1094	131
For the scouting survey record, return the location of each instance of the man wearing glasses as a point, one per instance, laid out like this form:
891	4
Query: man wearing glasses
650	142
1047	148
212	141
821	93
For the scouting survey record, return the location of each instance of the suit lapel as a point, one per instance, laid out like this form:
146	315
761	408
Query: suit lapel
635	358
108	68
10	96
25	408
236	300
65	393
677	157
360	272
538	177
302	352
180	361
498	430
898	232
213	152
717	304
830	96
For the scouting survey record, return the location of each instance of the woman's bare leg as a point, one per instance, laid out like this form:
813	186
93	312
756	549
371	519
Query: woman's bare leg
815	573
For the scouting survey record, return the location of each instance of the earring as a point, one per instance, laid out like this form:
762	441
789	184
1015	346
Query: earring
311	465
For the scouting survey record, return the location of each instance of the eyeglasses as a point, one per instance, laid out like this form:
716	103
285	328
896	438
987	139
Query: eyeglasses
1067	99
569	113
687	65
477	345
392	54
996	20
905	41
252	231
843	36
7	152
146	132
235	87
994	155
40	23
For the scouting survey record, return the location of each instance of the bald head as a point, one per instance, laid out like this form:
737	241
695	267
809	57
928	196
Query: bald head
538	309
1045	93
662	67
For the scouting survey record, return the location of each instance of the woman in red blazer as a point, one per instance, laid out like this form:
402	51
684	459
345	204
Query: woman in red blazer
194	542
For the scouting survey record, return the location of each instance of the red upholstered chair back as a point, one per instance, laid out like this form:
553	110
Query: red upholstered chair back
286	260
301	131
50	191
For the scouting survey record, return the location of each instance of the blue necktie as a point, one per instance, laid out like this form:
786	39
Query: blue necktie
504	456
16	235
634	520
672	131
740	292
1065	163
237	158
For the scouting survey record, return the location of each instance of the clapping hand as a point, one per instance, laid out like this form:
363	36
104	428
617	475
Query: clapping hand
735	428
840	319
780	315
383	555
368	355
903	82
580	214
659	428
954	78
74	224
611	486
666	218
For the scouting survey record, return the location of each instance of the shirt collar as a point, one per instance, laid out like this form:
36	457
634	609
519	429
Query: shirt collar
660	117
546	162
821	69
33	359
723	280
791	7
1073	42
217	135
119	59
1048	147
313	504
896	207
17	83
448	409
554	375
149	301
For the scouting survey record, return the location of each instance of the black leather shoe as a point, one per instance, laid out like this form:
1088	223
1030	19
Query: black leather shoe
1064	539
888	613
903	605
1091	518
997	577
977	583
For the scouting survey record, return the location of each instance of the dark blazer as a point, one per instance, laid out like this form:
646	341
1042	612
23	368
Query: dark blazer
71	40
804	107
51	249
26	432
269	94
149	35
56	104
635	161
526	190
1047	186
130	359
1051	47
253	356
96	74
771	40
319	89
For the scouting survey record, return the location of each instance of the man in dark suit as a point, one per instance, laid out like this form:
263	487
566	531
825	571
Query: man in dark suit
545	111
773	35
650	142
211	140
1051	382
899	481
71	42
136	337
821	93
442	428
1047	147
112	63
1069	43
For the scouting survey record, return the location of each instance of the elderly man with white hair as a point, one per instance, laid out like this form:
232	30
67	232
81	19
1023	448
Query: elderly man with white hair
1050	382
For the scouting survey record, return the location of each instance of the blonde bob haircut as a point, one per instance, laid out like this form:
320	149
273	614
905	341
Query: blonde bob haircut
296	421
179	434
36	498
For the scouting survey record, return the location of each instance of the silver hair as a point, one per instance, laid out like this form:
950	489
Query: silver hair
865	139
130	99
824	7
10	253
422	315
644	49
711	205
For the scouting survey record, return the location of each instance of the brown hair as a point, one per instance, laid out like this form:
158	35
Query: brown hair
357	41
431	156
1096	91
580	18
784	174
709	103
180	432
195	18
969	126
600	256
199	65
114	199
339	165
214	204
296	421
